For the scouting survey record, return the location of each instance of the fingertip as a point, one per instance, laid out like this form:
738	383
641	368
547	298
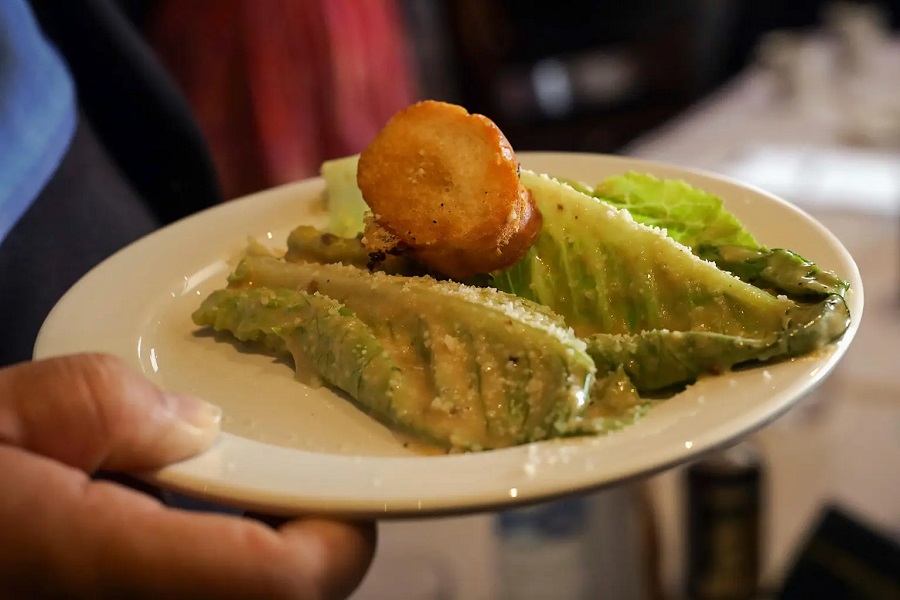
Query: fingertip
197	425
170	428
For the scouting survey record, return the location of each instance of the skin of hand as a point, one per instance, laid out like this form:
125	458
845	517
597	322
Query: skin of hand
66	535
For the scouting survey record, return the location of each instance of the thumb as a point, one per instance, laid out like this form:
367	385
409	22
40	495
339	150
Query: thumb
93	412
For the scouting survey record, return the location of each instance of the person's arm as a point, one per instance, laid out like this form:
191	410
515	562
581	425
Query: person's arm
67	535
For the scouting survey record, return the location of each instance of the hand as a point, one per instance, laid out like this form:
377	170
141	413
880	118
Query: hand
63	534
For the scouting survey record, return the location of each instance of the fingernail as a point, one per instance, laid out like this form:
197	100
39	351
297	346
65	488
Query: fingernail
197	425
196	412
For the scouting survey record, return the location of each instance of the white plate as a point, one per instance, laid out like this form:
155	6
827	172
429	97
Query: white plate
288	449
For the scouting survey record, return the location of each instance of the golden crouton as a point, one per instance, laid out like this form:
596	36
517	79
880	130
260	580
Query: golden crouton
445	184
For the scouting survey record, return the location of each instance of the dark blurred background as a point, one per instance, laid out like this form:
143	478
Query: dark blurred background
590	76
564	75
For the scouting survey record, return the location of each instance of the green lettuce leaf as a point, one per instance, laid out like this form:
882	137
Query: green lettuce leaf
346	207
689	215
603	272
780	271
661	359
474	368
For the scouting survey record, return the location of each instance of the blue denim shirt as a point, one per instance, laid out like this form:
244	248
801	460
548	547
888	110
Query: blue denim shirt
37	111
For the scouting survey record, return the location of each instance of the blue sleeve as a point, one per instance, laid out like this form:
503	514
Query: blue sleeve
37	111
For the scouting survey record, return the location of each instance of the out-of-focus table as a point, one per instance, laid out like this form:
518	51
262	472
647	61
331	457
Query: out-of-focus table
843	443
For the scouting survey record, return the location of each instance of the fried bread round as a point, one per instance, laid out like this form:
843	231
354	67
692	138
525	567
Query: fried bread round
445	183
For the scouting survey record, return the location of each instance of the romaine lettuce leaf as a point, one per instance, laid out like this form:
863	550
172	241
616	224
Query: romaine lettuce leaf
660	359
346	206
476	368
656	360
688	215
780	271
605	273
